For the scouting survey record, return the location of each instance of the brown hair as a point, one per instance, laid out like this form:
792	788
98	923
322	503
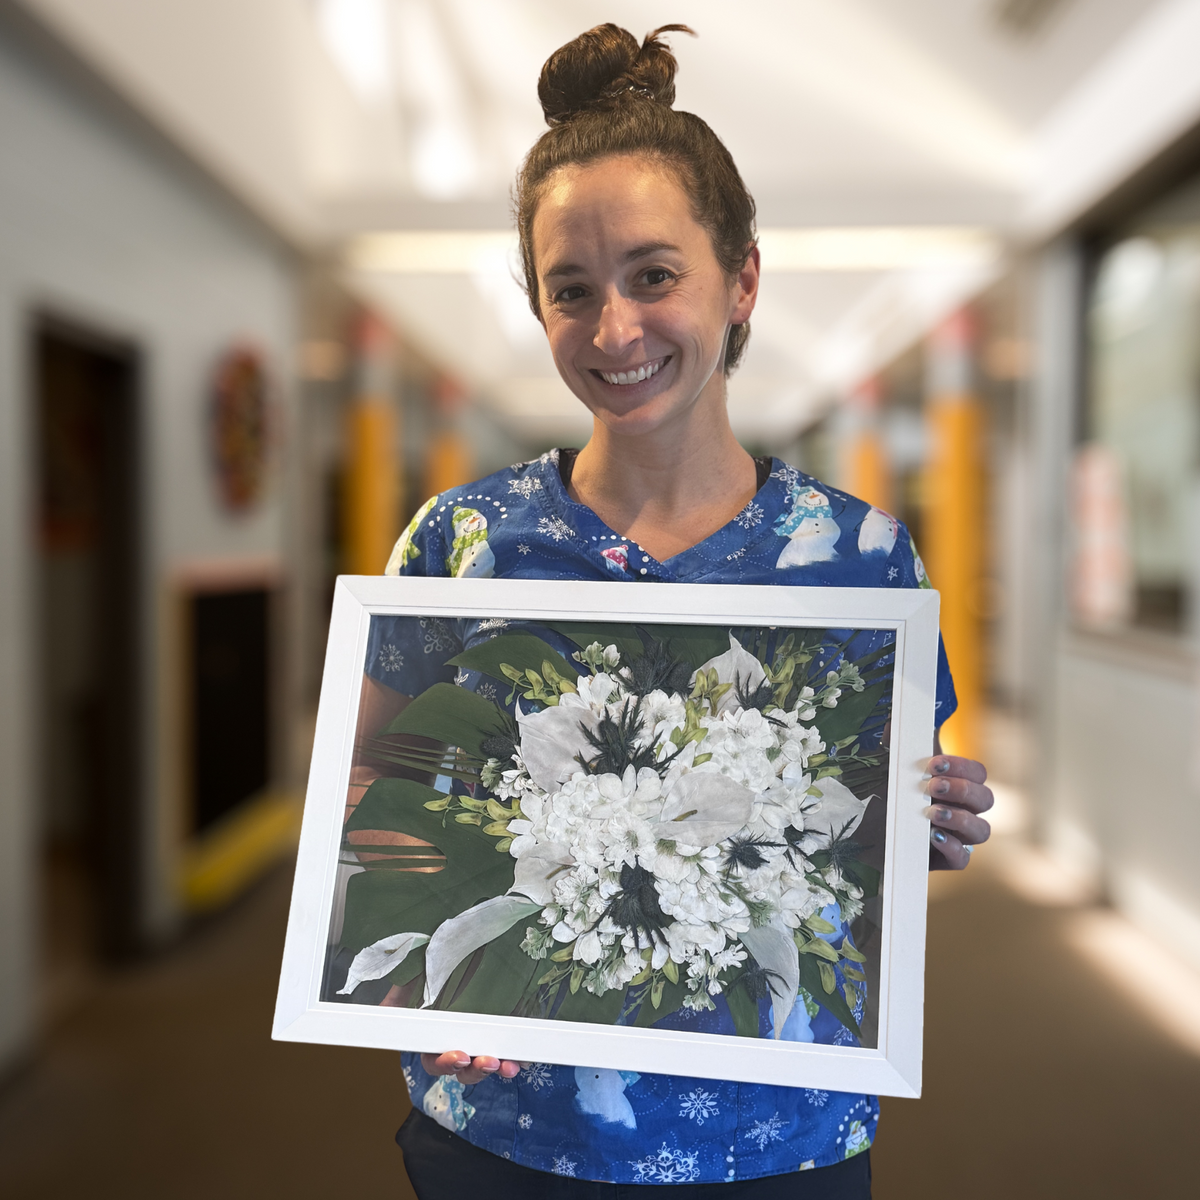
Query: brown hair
605	95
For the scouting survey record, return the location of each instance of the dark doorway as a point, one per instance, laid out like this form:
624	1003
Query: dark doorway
229	700
88	467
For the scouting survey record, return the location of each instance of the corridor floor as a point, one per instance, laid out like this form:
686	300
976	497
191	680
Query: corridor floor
1041	1078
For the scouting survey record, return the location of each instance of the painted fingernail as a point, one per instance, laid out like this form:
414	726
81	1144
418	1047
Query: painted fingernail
939	787
945	814
937	835
942	766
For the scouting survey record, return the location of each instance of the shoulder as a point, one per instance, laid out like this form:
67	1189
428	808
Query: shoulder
827	525
450	532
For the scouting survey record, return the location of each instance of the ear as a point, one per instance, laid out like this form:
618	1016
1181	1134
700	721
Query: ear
745	289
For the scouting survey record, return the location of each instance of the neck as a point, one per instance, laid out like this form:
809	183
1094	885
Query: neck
670	488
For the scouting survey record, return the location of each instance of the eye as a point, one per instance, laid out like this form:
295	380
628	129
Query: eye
572	292
656	276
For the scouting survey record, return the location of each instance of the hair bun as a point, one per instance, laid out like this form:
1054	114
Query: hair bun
603	65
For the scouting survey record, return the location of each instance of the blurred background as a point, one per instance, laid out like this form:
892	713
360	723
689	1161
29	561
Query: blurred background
257	301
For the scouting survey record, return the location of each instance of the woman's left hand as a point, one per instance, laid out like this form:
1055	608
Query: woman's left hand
958	794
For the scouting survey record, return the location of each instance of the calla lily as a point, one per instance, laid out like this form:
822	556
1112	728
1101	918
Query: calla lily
537	870
461	936
774	950
838	812
704	808
552	739
376	961
737	666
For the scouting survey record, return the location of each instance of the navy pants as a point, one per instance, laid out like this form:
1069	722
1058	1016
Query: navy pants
444	1166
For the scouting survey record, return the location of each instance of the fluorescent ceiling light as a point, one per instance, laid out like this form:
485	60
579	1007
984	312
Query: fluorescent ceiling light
452	252
874	249
432	251
355	32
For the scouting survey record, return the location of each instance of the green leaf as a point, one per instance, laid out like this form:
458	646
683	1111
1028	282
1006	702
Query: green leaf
812	981
504	973
853	709
582	1005
671	1000
381	903
519	650
866	876
693	644
584	633
451	715
828	979
671	970
743	1010
820	948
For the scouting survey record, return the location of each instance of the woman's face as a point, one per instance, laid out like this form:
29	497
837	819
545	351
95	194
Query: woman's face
633	300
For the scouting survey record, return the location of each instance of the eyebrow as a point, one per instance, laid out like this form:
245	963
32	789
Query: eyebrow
643	251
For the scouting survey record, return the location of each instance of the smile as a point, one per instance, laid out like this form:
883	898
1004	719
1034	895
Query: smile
625	378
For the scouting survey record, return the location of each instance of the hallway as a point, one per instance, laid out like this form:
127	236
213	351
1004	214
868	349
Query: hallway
1042	1079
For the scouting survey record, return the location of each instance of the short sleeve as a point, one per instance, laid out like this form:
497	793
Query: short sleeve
420	549
409	654
904	569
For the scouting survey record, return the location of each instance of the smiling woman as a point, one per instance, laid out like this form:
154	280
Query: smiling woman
638	244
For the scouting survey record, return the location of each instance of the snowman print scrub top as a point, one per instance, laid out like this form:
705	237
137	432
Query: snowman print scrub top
618	1126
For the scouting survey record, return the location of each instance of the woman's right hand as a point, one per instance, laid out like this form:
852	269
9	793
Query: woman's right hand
467	1069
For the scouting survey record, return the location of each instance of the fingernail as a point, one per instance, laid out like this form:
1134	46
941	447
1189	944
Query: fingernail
937	835
945	814
939	787
942	766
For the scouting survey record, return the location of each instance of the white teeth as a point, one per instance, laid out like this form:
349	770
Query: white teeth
621	378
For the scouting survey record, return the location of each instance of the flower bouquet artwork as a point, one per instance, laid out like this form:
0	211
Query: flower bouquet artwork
656	829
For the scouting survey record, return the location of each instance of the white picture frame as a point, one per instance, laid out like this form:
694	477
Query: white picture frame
892	1067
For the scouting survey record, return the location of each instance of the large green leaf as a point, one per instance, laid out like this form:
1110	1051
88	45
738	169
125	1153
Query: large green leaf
587	1006
452	715
502	976
835	1002
852	711
584	633
693	644
383	902
521	650
743	1010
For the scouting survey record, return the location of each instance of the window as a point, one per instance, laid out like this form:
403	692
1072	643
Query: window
1136	474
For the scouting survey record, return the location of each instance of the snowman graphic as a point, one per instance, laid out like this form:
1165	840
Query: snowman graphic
857	1140
810	529
601	1094
445	1104
878	532
470	555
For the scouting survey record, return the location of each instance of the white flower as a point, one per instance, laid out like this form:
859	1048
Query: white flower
552	740
738	667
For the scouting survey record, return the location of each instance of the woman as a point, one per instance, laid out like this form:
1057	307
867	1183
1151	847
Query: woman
637	236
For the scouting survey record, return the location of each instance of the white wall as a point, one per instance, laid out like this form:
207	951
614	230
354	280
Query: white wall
103	224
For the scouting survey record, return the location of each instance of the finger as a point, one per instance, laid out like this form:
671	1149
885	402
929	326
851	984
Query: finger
449	1063
961	768
961	792
946	852
509	1069
968	828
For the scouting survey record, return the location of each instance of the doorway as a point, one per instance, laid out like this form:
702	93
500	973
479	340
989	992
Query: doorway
85	422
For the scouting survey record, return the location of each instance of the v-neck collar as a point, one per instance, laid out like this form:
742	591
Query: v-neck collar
743	527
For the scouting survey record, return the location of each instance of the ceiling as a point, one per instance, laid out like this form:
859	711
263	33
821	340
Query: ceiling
338	118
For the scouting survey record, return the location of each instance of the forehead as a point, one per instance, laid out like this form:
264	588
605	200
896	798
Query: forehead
613	204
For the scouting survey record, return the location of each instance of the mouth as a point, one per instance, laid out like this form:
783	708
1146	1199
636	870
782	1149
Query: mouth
639	374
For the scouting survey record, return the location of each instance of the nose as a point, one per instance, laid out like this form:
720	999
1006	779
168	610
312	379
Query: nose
619	327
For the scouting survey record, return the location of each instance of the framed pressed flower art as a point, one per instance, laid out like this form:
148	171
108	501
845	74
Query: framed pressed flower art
672	828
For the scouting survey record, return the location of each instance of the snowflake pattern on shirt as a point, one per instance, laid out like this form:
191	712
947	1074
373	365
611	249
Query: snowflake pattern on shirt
668	1129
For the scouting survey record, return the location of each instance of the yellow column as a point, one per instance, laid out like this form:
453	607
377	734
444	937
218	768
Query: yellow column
371	498
866	471
449	461
953	527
